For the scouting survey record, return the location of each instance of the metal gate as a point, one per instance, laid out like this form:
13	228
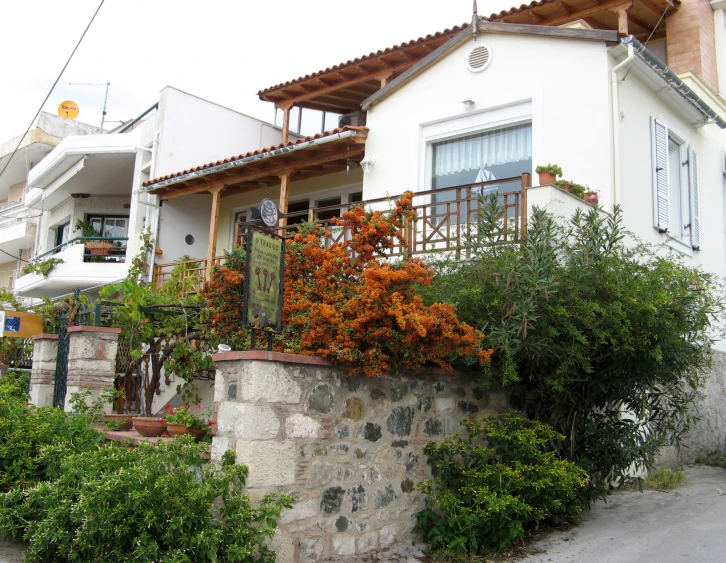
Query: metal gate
82	317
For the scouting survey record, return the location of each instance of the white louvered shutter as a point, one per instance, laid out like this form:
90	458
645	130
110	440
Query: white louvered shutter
695	199
660	176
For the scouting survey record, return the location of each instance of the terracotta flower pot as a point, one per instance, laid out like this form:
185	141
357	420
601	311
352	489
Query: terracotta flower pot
125	420
177	429
198	433
546	178
567	187
149	427
592	198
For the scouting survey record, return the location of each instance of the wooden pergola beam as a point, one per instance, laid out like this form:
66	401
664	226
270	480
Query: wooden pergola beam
611	5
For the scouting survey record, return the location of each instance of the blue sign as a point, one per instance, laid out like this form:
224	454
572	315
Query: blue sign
12	324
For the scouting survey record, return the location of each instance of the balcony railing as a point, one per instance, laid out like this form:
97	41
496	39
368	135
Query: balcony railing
446	220
97	249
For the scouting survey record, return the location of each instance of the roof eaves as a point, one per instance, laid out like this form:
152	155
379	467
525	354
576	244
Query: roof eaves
609	37
253	156
660	68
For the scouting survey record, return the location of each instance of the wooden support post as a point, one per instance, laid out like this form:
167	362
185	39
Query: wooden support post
623	22
285	124
526	183
284	197
213	223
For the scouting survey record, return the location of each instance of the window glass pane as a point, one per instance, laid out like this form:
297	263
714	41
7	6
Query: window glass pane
96	222
114	227
491	155
295	207
355	197
331	121
294	116
312	122
322	215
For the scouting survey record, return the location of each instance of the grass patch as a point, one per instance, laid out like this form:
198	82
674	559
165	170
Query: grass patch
713	461
665	479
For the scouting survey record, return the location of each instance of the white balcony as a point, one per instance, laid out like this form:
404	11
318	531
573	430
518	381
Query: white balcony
16	236
83	267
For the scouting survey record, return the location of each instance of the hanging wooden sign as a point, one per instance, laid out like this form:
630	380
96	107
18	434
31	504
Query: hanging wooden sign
14	324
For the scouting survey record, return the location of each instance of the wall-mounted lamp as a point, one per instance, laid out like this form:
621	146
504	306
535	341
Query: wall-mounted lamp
80	196
367	163
468	103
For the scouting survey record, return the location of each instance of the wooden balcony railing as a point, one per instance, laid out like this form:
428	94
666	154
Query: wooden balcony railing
194	269
446	219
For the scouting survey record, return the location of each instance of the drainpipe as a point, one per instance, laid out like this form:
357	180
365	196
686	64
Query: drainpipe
616	117
154	207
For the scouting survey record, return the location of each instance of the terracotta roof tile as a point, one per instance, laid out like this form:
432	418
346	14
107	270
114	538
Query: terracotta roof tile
253	153
365	58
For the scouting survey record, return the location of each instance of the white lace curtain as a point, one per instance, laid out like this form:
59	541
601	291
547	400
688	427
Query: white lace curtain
510	144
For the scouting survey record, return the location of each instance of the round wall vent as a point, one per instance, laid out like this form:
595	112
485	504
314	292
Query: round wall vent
479	58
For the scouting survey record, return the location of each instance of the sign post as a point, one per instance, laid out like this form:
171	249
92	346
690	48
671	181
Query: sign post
264	276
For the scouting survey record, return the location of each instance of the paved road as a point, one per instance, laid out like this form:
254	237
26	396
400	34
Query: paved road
688	524
11	552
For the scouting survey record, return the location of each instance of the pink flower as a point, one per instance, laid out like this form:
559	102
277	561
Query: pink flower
199	406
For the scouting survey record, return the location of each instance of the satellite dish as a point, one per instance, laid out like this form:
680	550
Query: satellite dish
68	109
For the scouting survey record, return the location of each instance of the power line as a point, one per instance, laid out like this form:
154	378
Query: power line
52	88
12	256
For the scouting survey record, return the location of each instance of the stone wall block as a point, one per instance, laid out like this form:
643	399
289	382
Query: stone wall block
271	464
247	421
268	382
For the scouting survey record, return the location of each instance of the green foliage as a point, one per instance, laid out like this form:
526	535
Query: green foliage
497	483
551	168
713	461
601	337
160	503
44	267
149	316
33	443
665	479
87	229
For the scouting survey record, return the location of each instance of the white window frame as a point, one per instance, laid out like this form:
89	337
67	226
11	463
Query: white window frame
489	119
687	237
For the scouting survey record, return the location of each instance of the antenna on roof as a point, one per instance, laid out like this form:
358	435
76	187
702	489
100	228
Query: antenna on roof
475	22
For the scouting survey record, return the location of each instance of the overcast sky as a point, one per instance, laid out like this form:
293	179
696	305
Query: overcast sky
222	50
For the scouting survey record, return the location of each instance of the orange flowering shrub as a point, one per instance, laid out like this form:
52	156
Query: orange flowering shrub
349	304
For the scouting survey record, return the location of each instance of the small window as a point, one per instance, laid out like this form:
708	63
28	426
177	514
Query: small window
355	197
297	207
329	214
62	233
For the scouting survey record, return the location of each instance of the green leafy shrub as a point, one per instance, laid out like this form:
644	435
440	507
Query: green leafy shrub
160	503
43	267
491	487
601	337
551	168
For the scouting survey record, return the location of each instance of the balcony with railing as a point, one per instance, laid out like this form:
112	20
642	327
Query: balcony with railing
446	219
81	262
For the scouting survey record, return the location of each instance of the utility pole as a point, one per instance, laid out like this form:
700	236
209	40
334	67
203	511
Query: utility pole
105	98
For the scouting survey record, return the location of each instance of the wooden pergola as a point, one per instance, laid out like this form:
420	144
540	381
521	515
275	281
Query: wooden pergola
322	154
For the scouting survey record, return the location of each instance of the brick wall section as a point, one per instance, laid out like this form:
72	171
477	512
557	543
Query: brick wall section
690	41
351	448
42	374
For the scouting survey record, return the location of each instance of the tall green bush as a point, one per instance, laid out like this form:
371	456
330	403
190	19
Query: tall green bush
496	483
602	337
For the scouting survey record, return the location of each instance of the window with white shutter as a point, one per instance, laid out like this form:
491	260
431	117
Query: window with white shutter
676	201
661	216
695	199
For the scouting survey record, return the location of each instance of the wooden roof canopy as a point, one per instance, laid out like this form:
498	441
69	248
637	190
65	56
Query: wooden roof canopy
342	88
310	161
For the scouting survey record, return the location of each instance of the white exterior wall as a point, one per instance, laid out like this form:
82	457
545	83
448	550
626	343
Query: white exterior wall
565	80
180	217
195	131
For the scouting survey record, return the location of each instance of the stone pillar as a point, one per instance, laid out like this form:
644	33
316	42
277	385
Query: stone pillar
42	375
350	448
91	360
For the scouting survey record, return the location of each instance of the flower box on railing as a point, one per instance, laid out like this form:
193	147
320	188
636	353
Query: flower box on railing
99	248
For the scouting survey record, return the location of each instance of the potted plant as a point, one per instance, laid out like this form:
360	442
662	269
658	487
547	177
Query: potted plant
548	174
592	196
565	185
183	420
578	190
149	427
96	247
116	421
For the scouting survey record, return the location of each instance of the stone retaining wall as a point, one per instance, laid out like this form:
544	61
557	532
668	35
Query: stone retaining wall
351	448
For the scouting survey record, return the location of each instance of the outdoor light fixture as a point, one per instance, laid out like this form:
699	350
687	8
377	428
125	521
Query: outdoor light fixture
468	103
224	348
367	163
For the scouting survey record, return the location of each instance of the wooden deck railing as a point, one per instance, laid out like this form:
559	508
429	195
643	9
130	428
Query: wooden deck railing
446	219
184	270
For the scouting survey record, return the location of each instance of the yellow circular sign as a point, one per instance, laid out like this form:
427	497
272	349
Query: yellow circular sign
68	109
